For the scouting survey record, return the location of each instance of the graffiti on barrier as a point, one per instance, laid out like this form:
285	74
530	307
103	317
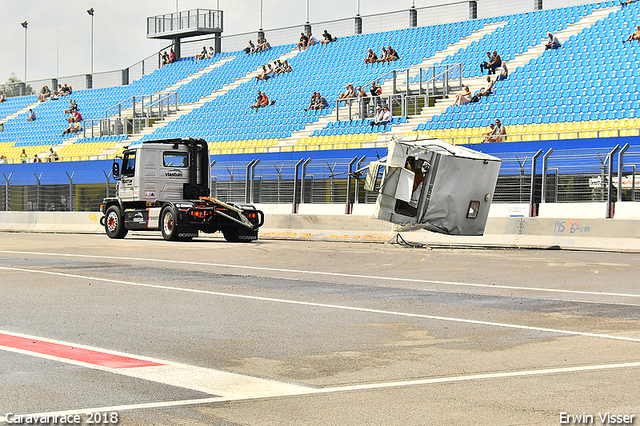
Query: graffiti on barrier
570	226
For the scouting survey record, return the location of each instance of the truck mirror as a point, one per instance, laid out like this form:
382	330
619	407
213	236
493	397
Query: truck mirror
115	170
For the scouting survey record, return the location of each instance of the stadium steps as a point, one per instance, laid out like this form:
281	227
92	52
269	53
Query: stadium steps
192	77
439	56
387	87
518	62
187	108
21	111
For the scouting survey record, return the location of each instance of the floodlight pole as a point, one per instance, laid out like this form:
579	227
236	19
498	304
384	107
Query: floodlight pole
24	25
91	12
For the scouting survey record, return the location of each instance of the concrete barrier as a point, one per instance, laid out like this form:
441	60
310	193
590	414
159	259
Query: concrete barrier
573	227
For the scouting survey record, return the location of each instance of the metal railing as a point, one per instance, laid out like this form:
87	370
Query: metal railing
177	22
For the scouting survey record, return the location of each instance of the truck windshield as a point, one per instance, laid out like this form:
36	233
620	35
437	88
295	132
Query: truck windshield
129	164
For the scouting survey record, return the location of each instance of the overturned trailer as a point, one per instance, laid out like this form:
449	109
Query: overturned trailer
430	184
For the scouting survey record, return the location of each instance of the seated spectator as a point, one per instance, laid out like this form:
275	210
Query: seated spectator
263	45
31	116
312	102
172	56
165	58
312	40
277	67
210	53
382	118
269	73
488	135
202	54
303	43
321	102
500	133
385	55
73	107
44	94
53	156
485	64
76	115
633	36
376	91
504	72
261	75
393	55
263	101
285	66
371	58
487	89
1	127
36	159
495	62
2	97
327	38
66	90
349	92
463	98
3	159
553	42
251	48
74	126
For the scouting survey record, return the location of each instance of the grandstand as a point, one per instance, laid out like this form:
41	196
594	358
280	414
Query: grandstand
583	95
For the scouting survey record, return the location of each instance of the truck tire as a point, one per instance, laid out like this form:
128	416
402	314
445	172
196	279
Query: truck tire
167	224
238	235
114	223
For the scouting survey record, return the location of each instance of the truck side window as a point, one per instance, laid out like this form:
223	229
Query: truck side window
175	159
129	164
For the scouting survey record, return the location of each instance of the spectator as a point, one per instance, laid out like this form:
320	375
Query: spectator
285	66
23	157
327	38
2	97
495	62
321	102
504	72
485	64
553	42
463	98
3	159
66	90
73	107
172	56
488	135
74	126
371	58
36	159
45	93
376	91
627	2
1	127
260	76
501	132
263	101
77	116
278	67
210	53
633	36
263	45
31	116
251	48
312	102
269	73
202	54
165	58
364	102
382	118
487	89
53	156
393	55
385	55
312	40
349	92
303	43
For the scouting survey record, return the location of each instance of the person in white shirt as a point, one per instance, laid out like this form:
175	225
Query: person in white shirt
312	40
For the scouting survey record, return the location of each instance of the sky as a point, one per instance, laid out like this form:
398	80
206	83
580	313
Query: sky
59	32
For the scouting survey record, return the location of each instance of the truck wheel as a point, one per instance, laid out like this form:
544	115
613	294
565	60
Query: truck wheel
114	223
168	225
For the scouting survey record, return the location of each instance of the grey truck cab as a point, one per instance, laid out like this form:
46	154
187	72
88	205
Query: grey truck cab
166	185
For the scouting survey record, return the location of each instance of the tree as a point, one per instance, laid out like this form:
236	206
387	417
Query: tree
15	87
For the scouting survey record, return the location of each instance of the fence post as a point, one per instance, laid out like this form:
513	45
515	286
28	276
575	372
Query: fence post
6	191
70	202
357	176
532	200
294	207
279	181
106	191
303	180
610	203
38	191
545	159
349	205
620	165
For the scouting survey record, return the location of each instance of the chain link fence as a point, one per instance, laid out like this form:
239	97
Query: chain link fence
569	175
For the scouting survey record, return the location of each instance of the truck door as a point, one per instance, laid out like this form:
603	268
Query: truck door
126	189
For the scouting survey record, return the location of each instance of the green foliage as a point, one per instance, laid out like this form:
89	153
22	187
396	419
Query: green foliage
15	87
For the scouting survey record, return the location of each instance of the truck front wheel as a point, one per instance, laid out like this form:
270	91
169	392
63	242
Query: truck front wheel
114	223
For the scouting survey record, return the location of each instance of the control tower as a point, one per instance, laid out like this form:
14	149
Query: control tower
190	23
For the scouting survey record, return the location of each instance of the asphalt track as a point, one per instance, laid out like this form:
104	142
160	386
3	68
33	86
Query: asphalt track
313	333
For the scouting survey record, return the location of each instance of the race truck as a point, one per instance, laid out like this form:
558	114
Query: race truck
166	185
425	183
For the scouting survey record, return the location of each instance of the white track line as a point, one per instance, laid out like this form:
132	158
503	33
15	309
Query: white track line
329	306
333	274
364	387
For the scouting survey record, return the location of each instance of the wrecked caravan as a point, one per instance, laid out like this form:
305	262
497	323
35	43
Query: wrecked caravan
430	184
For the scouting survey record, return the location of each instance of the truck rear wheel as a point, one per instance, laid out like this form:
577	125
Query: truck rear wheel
114	223
168	224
